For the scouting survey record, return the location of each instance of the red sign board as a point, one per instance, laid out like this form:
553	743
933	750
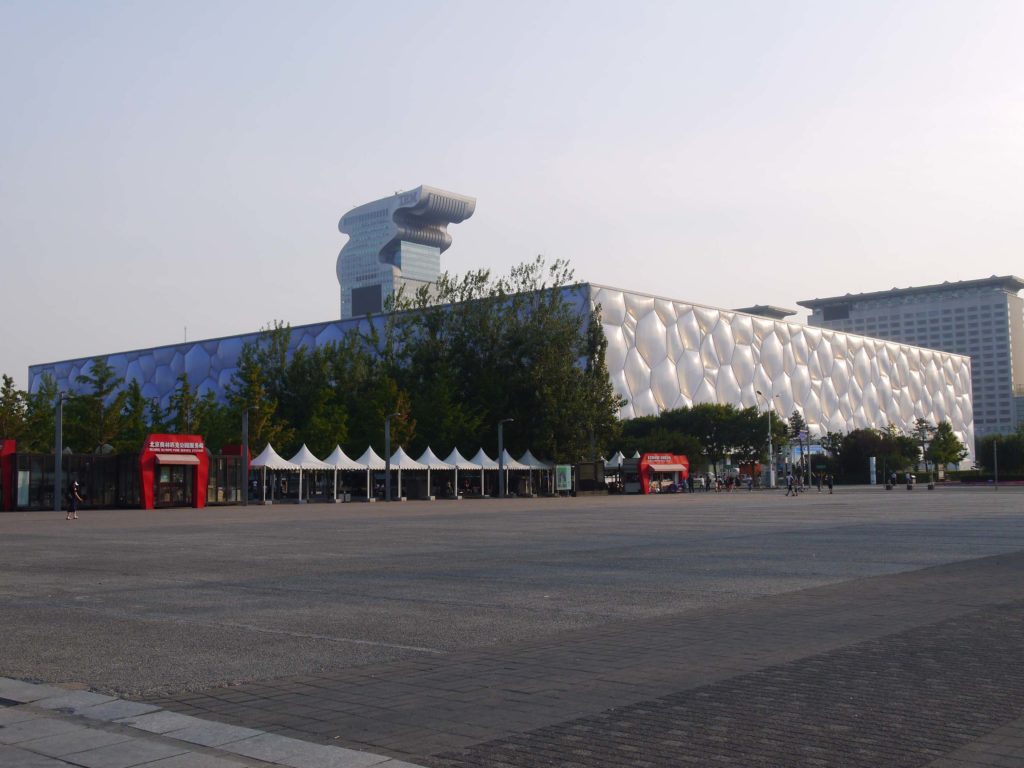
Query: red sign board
188	450
676	465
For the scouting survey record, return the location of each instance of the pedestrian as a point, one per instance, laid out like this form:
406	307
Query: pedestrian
750	483
830	481
73	498
819	482
789	485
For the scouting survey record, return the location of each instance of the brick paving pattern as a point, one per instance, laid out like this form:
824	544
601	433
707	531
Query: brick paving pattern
899	701
894	670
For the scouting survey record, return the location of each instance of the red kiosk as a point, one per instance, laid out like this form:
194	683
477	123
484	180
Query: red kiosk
174	471
652	463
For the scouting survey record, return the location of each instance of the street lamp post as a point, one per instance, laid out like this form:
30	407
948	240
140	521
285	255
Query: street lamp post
244	463
501	457
387	455
771	455
58	450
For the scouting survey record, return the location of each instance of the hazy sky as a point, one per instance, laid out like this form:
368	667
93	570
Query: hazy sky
165	165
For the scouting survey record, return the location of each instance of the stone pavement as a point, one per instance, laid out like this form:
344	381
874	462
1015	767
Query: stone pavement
44	726
897	670
849	630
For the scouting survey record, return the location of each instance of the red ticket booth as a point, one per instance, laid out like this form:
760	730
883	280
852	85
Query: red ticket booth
8	474
654	467
174	470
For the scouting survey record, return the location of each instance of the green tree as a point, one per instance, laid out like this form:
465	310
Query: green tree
832	442
922	432
486	349
601	403
95	417
249	389
135	425
13	409
945	447
312	402
797	426
216	423
40	415
893	452
1010	452
184	407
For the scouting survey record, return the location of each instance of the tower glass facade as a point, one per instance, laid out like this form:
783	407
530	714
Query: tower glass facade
393	243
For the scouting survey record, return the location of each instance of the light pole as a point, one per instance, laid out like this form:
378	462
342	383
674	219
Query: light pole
244	463
58	450
771	456
501	457
995	465
387	455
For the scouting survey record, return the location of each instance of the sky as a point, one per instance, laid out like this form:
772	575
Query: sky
180	168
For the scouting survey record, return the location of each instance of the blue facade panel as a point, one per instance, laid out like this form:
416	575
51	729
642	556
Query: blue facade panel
211	363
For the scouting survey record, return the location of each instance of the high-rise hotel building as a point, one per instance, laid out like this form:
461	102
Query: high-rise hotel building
983	319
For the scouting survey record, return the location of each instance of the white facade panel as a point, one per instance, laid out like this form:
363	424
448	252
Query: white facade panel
665	354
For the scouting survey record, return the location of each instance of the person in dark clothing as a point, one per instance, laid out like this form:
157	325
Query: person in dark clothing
73	498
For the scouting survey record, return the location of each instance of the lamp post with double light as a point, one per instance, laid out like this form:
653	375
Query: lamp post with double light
58	451
387	455
771	456
501	457
243	468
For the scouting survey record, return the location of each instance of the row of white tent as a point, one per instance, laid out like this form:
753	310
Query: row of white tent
369	462
615	462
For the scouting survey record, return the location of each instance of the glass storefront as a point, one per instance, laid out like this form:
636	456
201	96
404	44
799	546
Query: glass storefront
174	484
222	482
106	481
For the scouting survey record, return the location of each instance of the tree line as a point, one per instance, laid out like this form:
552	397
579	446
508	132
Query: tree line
708	433
451	361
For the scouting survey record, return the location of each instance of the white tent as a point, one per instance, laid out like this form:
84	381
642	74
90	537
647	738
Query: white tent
532	463
508	463
305	459
371	461
268	459
338	460
486	463
401	460
459	461
615	462
432	462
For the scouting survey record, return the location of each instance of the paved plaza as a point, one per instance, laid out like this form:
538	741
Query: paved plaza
864	628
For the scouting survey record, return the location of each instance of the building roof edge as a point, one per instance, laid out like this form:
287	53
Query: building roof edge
1011	283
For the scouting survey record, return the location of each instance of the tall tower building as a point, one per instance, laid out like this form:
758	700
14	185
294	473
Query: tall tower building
394	242
983	319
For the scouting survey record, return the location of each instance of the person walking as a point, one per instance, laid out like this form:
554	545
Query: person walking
73	498
789	485
830	481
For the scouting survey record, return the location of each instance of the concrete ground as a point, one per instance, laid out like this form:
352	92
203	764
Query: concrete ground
863	628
